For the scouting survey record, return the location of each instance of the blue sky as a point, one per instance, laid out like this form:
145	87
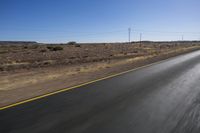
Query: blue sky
99	20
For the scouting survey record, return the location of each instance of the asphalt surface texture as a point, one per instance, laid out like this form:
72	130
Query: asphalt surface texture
162	98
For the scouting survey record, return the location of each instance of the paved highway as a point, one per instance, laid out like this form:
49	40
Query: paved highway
162	98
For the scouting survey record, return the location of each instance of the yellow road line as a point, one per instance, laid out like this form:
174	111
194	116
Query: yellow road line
77	86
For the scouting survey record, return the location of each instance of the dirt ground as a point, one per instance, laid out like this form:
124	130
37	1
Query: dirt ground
27	71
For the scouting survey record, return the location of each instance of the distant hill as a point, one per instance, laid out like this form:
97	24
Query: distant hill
17	42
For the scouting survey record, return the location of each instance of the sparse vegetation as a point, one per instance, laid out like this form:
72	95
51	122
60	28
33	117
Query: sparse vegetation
77	45
43	66
30	55
35	46
72	43
43	50
56	48
25	47
49	47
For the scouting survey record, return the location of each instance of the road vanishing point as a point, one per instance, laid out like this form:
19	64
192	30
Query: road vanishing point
160	98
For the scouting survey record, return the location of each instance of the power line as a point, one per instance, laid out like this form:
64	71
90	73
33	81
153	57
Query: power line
91	34
80	32
171	32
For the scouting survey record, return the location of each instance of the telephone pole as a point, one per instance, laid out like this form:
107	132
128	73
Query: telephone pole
129	35
140	39
182	37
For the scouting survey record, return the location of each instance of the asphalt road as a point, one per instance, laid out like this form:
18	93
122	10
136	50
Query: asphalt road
163	98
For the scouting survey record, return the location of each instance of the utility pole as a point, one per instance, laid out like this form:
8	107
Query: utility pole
140	37
182	37
129	35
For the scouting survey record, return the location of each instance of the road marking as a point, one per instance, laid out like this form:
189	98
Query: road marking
84	84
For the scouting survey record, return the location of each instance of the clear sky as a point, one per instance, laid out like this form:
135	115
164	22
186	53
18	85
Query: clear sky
99	20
